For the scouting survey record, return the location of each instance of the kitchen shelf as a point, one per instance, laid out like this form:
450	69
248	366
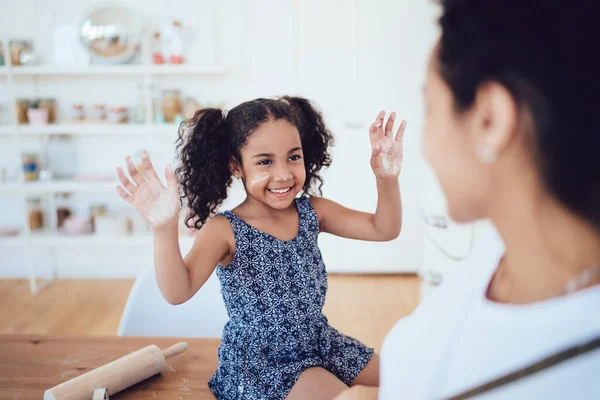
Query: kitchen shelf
7	130
112	70
90	129
60	187
186	69
50	70
56	239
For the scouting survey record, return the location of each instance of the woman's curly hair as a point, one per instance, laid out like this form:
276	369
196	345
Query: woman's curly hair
212	140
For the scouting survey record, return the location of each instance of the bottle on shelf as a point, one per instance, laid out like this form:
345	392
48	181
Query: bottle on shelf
157	51
157	114
139	111
173	36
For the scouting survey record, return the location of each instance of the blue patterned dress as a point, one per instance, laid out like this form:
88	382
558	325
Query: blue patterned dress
274	292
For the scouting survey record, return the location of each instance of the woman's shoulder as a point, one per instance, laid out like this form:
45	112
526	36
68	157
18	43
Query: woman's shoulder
467	283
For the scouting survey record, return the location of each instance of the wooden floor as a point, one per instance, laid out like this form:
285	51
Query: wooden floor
364	306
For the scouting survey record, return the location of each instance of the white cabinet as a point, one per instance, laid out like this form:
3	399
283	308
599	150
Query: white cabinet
356	58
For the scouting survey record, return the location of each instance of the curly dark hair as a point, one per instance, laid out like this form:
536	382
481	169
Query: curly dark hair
211	141
542	52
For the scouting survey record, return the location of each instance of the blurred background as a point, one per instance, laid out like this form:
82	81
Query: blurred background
83	84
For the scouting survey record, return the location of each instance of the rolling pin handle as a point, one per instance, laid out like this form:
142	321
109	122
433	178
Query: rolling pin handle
177	348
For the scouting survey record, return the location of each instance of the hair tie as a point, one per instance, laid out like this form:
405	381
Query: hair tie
224	113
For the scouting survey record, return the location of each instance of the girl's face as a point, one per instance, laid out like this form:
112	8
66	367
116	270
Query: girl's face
273	164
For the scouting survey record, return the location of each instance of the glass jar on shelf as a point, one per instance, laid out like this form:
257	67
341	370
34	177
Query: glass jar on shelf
77	112
22	105
63	209
98	112
35	215
31	166
171	104
118	115
50	105
97	210
17	48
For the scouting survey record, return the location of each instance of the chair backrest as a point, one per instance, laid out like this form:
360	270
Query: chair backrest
147	313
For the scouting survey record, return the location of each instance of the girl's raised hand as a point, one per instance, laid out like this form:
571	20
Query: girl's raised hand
158	204
386	159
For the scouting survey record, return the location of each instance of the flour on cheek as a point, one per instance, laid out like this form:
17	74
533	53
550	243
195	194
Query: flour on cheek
258	179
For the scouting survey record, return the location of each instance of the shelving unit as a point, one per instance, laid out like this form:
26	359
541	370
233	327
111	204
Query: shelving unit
12	76
71	70
89	129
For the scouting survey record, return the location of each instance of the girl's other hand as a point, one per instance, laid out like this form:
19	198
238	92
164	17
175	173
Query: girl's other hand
158	204
386	158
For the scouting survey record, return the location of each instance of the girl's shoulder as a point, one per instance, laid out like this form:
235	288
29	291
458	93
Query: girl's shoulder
215	241
320	205
220	227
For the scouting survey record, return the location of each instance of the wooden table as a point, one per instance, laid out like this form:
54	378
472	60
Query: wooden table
31	364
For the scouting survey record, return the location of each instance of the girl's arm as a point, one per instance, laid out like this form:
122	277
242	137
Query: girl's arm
178	279
386	162
384	225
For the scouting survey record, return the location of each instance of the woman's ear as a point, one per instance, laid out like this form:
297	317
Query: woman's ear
495	121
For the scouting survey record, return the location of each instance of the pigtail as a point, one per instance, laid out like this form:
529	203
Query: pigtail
204	173
316	139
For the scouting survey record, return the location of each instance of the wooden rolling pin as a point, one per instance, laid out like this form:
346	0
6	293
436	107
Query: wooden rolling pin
116	375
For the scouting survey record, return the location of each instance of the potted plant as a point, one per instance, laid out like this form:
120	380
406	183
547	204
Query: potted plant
36	114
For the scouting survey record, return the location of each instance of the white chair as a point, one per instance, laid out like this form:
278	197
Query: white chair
147	313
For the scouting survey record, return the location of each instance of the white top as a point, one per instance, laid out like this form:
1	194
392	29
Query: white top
458	339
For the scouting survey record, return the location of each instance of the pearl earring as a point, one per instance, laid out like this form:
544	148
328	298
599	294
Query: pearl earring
486	155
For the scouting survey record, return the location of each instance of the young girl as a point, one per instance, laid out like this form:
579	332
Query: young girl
277	343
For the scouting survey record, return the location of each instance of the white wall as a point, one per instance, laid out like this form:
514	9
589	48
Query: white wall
352	58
